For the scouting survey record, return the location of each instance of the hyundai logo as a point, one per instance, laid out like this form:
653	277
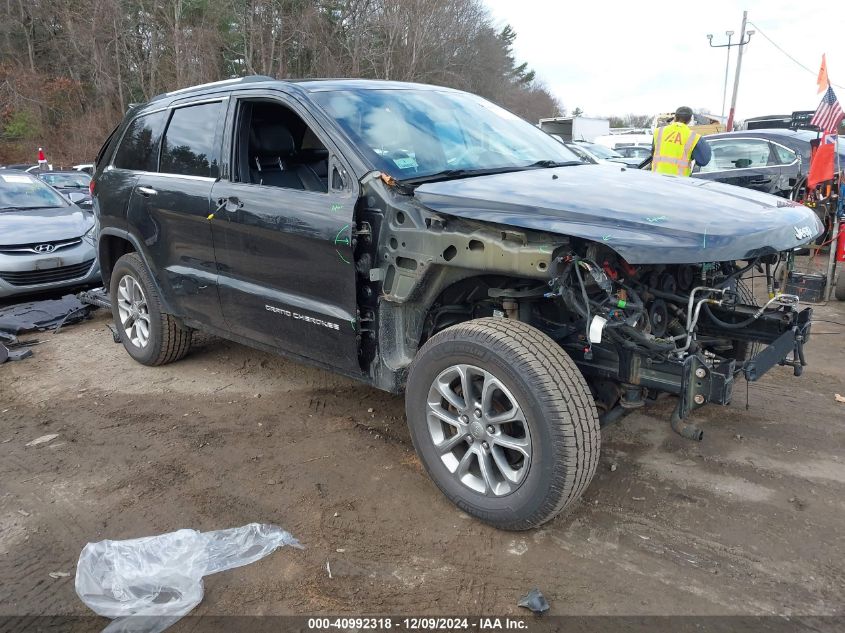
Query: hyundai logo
44	248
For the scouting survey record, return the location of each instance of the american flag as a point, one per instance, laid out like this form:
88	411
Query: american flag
829	113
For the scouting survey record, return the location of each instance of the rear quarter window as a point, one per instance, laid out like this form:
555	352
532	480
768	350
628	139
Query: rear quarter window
139	147
190	145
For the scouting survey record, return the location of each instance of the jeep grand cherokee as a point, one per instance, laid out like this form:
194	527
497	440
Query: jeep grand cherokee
423	239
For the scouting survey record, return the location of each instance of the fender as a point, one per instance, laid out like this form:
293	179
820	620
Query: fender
137	245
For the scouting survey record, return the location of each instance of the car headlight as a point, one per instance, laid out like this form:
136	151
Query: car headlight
90	236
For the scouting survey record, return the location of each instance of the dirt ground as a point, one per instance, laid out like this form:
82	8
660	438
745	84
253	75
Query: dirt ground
747	522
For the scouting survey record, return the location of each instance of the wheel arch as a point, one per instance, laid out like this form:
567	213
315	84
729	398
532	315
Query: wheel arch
402	326
115	243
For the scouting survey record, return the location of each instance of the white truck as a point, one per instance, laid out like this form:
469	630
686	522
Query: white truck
578	128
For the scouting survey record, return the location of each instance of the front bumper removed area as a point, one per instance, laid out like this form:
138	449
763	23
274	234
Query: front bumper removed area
702	384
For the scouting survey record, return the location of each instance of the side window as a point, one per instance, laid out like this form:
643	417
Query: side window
738	154
276	148
139	148
190	143
785	156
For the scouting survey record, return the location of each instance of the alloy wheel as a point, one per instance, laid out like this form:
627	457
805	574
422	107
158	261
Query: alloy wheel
478	430
133	311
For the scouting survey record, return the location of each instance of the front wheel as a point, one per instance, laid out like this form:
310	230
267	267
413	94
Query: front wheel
503	421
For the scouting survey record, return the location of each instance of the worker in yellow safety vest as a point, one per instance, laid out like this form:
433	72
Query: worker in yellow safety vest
676	146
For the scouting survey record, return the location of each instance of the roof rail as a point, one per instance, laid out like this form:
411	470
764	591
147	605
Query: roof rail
234	80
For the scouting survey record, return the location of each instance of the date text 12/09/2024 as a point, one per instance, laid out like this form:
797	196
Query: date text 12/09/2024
419	624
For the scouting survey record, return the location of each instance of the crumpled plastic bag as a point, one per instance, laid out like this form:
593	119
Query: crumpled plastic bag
148	583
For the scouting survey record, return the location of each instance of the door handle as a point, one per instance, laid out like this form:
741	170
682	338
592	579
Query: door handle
146	191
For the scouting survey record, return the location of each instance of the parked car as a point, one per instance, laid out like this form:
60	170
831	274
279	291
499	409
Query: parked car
636	154
46	242
88	168
422	239
774	161
584	154
27	167
639	138
75	185
600	153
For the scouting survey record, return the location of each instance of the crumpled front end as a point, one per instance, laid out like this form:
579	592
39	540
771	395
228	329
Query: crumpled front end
689	330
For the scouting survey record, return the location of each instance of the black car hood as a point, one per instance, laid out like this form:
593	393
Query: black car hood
43	225
646	218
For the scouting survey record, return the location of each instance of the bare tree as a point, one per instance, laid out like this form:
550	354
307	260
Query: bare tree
70	69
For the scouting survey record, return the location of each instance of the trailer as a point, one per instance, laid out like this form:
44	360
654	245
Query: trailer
579	128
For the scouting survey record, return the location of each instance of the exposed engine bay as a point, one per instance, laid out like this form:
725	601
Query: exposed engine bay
624	295
638	331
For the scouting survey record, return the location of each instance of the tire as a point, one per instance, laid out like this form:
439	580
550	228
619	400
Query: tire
556	422
839	289
165	340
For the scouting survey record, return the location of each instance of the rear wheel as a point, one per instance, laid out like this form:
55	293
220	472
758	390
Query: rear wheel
839	289
503	421
150	335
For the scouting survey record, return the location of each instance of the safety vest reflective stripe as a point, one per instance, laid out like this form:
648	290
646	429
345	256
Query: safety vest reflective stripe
680	162
691	141
658	143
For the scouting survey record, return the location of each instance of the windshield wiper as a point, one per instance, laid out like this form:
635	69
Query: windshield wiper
24	208
448	174
556	163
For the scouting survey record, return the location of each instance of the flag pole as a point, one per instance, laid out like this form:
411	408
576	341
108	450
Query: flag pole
831	263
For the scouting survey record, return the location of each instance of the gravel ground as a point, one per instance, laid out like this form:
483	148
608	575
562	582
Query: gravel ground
747	522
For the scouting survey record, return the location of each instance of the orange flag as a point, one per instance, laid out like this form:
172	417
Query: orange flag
822	163
822	81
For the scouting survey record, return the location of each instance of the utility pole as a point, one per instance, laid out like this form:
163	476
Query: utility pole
741	44
727	64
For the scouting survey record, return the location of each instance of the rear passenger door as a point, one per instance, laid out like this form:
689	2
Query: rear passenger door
744	162
283	233
170	206
136	152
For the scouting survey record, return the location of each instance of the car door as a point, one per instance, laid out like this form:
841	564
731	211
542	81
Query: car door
137	151
169	209
744	162
284	255
790	170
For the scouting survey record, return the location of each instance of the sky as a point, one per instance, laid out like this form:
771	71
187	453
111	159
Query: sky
614	58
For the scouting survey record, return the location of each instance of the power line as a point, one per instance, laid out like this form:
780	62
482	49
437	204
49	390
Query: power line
809	70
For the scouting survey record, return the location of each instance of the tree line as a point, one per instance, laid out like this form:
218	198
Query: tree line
69	70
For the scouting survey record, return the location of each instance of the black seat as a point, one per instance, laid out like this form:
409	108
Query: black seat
272	160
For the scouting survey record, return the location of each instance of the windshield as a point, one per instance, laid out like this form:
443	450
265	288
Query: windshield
20	191
78	180
417	133
601	151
